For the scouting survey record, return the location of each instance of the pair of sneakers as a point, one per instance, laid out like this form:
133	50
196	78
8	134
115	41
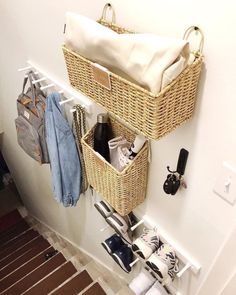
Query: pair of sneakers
160	257
146	284
117	222
119	251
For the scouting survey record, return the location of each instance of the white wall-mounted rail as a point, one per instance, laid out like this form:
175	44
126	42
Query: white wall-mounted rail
50	82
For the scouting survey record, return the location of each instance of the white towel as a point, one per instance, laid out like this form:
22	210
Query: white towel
140	284
140	58
157	289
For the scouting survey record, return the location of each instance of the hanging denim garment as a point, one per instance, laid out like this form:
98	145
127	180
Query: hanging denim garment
64	158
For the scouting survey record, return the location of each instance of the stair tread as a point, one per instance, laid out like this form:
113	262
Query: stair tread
24	270
53	280
18	242
38	274
21	251
13	232
75	285
95	289
9	220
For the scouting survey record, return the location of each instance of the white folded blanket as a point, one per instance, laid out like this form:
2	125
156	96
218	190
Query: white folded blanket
146	59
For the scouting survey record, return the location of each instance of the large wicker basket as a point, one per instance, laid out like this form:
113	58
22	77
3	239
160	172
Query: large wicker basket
153	115
122	190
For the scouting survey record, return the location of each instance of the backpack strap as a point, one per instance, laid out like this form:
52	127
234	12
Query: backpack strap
30	77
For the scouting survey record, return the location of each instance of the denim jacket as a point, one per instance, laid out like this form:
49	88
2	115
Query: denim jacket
64	158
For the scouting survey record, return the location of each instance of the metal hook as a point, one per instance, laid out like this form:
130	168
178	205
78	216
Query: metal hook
65	101
39	80
25	69
47	86
168	168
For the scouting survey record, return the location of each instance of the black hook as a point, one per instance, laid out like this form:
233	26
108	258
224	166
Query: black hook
173	181
168	168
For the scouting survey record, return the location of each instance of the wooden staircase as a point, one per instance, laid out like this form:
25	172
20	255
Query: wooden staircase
36	264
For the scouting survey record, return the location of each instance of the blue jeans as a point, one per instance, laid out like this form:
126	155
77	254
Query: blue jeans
63	155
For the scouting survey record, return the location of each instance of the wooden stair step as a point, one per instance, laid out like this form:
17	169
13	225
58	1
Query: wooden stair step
9	220
95	289
18	242
12	241
38	274
25	258
21	251
13	232
24	270
53	280
75	285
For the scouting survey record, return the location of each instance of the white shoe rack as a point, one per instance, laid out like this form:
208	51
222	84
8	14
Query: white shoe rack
188	262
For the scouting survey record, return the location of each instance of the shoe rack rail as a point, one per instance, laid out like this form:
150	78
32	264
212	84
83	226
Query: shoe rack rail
49	82
189	262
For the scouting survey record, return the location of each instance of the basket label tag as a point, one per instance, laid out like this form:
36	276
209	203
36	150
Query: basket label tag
101	76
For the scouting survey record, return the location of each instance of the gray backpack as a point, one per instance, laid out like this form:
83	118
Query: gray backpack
30	125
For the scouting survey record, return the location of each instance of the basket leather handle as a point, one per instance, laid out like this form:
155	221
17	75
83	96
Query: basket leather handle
198	30
109	7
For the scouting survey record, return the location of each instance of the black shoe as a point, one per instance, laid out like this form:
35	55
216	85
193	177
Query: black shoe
112	244
123	256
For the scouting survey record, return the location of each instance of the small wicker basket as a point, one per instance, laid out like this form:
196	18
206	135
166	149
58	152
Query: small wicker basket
122	190
153	115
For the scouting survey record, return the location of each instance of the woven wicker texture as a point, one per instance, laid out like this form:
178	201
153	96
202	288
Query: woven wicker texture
122	190
152	115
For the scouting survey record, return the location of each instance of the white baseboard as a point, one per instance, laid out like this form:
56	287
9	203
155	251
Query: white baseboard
76	246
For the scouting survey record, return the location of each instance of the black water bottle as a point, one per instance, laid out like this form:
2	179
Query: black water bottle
102	135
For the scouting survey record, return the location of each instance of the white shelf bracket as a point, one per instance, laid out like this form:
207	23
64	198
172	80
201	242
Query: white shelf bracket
134	262
183	270
137	225
105	228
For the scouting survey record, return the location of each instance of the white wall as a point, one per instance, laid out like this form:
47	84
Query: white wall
1	128
197	219
220	280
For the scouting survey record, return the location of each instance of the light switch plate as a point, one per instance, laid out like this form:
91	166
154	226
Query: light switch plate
225	185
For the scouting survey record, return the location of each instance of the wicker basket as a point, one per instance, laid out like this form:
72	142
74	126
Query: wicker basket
122	190
153	115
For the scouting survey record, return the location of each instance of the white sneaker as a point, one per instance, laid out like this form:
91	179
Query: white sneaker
104	208
157	289
164	263
140	284
147	243
120	225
